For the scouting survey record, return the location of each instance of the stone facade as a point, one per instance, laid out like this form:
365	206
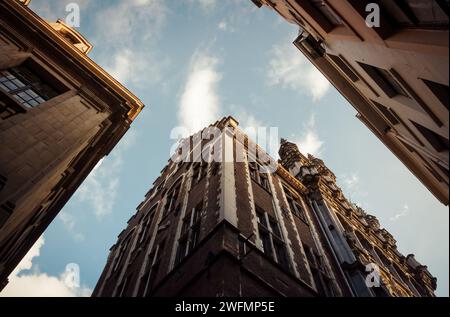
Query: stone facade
226	228
394	74
60	114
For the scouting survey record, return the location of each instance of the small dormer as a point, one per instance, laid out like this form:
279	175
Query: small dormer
72	36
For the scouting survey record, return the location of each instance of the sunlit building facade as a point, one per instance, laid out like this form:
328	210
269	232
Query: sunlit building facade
390	60
60	114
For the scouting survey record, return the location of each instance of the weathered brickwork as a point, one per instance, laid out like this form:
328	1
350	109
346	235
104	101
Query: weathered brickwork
279	237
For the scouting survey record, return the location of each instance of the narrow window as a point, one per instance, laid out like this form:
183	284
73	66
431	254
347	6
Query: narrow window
384	80
152	268
272	239
439	90
294	203
344	68
258	176
387	113
172	198
190	232
438	142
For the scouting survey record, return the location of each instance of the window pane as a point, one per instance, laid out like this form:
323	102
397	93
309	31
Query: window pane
265	238
10	85
275	228
4	87
194	237
281	254
261	218
31	104
25	96
18	83
181	252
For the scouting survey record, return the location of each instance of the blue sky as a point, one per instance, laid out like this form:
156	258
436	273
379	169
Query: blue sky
192	62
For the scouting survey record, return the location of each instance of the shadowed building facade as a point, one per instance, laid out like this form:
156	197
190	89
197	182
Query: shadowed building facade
60	113
395	75
229	227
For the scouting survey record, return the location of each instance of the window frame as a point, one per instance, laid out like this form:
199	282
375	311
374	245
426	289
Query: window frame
272	242
190	232
26	92
262	179
295	204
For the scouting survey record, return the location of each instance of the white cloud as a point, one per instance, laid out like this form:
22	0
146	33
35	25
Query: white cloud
131	21
100	188
401	213
200	103
127	32
37	284
132	66
69	222
290	69
27	261
309	142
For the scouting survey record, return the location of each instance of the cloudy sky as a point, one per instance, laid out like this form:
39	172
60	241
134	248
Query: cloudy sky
192	62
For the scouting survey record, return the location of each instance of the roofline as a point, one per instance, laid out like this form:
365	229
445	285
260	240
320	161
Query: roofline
29	17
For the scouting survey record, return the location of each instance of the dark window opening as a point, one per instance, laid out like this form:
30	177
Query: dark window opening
272	239
190	232
439	90
438	142
172	199
295	204
200	170
387	113
146	223
384	80
258	175
152	268
431	14
344	68
322	280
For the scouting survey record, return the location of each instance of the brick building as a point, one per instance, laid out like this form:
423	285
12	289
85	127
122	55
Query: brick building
234	227
60	113
395	74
